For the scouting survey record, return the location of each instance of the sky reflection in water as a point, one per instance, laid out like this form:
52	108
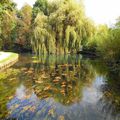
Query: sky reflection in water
66	89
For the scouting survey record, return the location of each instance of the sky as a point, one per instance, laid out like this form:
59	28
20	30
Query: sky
100	11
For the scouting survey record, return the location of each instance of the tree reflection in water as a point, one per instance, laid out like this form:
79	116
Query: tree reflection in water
110	100
58	88
64	80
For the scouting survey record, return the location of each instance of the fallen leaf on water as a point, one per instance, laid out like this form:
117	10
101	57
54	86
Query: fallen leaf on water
51	112
25	108
64	65
36	61
30	72
63	86
63	83
54	89
31	69
58	78
24	69
61	117
34	78
26	72
15	106
27	96
10	97
39	82
12	79
38	91
55	80
44	76
64	74
32	108
63	92
47	88
45	96
68	102
53	74
70	86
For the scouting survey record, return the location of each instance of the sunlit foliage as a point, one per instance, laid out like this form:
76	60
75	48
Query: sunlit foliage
65	25
7	22
106	41
110	48
39	6
23	27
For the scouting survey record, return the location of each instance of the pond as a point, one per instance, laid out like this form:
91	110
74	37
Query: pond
60	88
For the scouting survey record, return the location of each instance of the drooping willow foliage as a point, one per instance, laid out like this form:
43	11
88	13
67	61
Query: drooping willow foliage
43	40
63	29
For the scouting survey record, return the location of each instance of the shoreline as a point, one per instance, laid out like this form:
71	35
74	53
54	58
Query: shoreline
7	59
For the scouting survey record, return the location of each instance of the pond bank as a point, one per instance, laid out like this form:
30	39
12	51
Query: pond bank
7	59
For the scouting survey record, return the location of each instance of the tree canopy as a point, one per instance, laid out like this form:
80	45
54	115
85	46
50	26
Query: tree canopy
56	27
64	28
7	22
23	27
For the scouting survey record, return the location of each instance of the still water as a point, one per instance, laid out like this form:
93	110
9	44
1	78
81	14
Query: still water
60	88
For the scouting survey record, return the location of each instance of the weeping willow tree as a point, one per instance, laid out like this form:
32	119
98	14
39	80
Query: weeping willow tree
42	41
63	29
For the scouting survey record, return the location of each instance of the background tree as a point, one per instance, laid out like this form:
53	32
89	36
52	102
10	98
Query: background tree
23	28
39	6
7	23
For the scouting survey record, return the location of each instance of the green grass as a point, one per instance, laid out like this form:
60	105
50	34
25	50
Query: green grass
10	57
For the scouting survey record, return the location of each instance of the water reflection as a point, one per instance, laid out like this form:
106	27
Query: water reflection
64	79
60	88
30	107
110	101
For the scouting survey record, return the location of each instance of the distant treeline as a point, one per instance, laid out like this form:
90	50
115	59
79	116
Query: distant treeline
56	27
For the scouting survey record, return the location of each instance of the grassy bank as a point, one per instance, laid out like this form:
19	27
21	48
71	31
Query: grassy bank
7	59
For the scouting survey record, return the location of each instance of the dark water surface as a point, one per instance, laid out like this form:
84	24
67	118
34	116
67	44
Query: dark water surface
60	88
